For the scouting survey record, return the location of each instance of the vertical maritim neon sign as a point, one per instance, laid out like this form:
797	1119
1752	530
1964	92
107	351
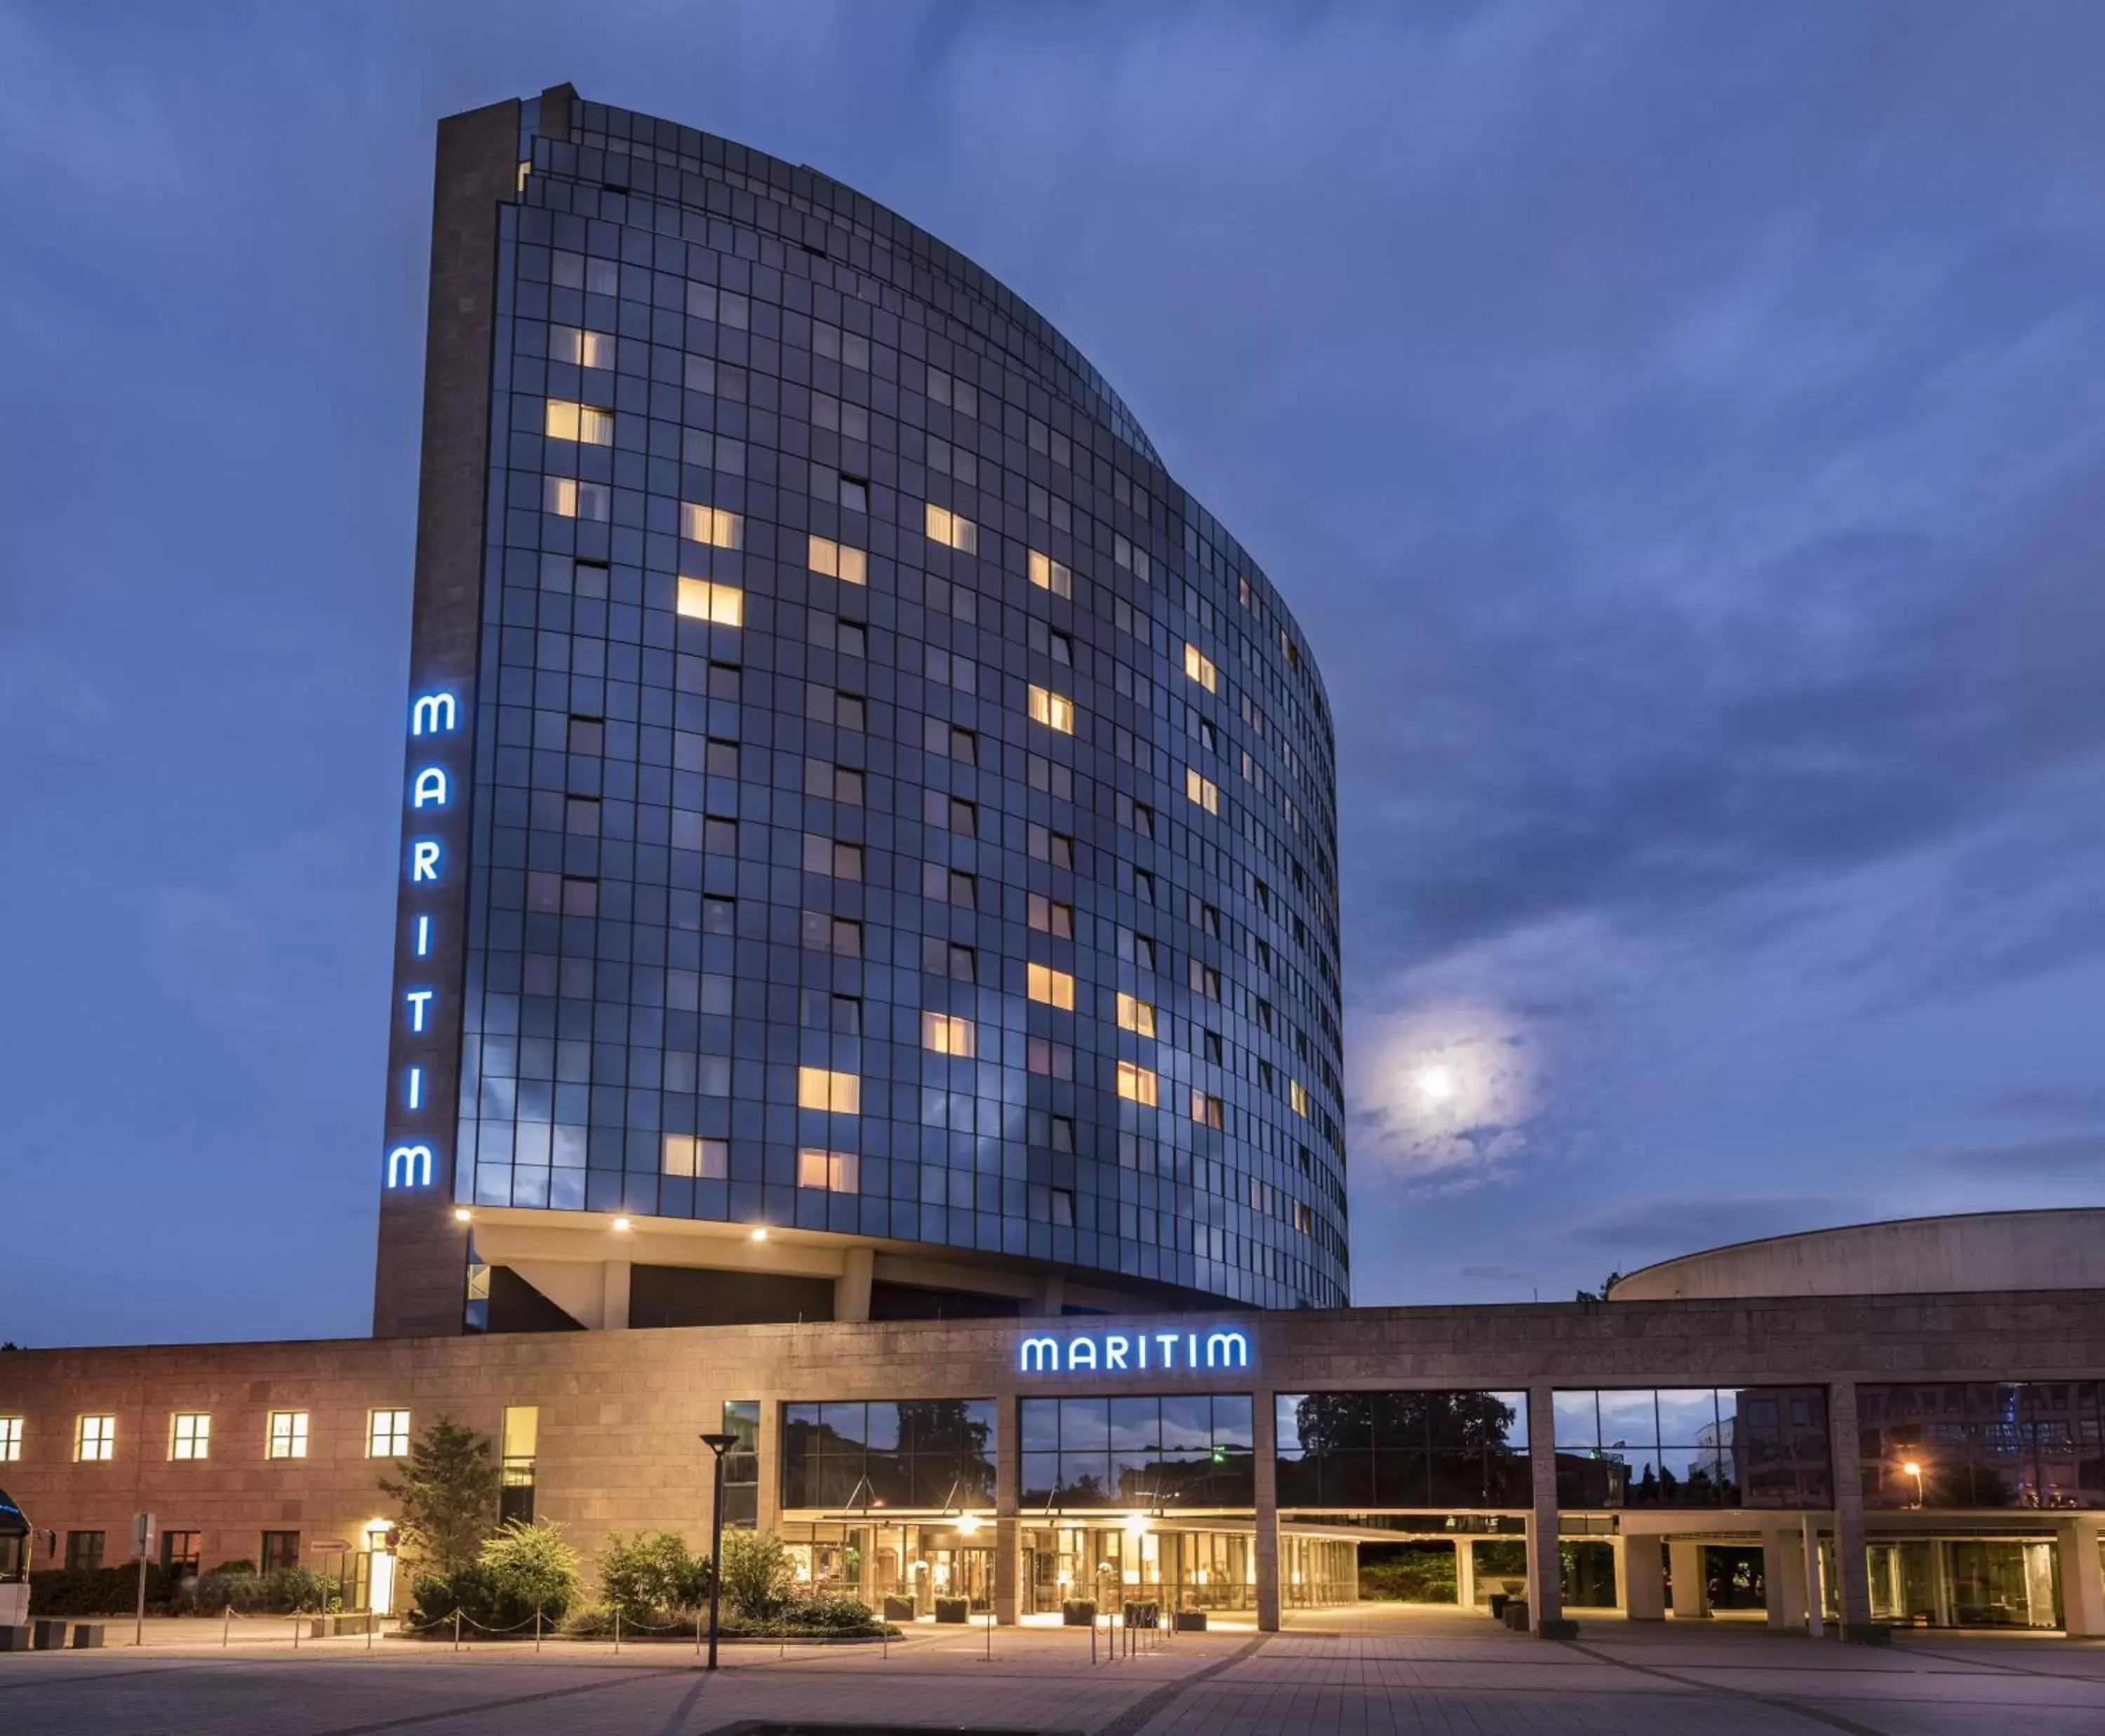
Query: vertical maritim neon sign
411	1163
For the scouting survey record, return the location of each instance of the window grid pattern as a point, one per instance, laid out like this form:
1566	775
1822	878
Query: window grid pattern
749	382
1188	1451
1403	1450
2028	1444
1694	1446
926	1454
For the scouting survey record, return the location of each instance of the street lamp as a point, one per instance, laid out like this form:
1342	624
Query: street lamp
719	1445
1912	1468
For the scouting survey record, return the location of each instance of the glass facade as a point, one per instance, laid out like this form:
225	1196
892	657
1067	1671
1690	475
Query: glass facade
1189	1451
1694	1446
932	1455
2036	1443
859	699
1423	1450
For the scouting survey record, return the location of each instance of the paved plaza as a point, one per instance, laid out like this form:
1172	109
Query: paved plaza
1441	1674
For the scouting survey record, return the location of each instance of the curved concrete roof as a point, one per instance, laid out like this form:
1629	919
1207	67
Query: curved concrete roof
2063	1249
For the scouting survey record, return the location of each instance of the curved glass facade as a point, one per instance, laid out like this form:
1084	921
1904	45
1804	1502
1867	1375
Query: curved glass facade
900	809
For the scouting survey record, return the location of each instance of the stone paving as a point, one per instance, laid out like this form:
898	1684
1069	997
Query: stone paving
1423	1675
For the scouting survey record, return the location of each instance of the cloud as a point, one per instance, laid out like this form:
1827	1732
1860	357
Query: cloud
2076	1151
1685	1225
2047	1103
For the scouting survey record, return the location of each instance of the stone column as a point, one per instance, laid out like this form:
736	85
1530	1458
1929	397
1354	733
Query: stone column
1815	1610
1264	1442
1690	1603
1465	1574
1644	1589
614	1295
768	1507
851	1288
1007	1512
2082	1582
1852	1568
1545	1567
1783	1578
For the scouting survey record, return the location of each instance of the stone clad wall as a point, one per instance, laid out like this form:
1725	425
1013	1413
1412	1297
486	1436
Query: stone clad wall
620	1411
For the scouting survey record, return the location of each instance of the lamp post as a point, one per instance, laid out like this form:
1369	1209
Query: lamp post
1913	1469
719	1445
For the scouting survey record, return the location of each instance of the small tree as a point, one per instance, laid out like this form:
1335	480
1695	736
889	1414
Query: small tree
532	1566
446	1496
759	1573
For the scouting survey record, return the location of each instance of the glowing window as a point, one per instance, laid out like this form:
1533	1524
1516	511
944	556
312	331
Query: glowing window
190	1435
1052	709
1136	1083
1203	790
1200	668
567	343
1209	1112
386	1435
712	524
288	1439
952	529
1296	1093
1055	988
946	1033
837	1172
567	497
839	560
704	1160
821	1088
95	1438
578	422
10	1439
1135	1014
1049	574
702	601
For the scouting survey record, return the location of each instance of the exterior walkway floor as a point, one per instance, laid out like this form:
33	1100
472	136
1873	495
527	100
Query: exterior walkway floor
1439	1675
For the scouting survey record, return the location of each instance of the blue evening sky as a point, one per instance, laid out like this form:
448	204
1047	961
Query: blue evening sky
1679	427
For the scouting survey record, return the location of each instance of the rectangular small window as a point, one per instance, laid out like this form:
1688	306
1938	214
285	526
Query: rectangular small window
855	494
839	560
95	1439
1200	668
1136	1015
1052	709
83	1550
581	349
10	1439
821	1088
1201	790
837	1172
712	524
1049	916
964	964
386	1435
965	817
1063	1208
1136	1083
1049	574
190	1435
1208	1110
704	1160
1205	980
567	497
1296	1093
723	605
952	529
281	1550
578	422
182	1553
1054	988
287	1436
946	1033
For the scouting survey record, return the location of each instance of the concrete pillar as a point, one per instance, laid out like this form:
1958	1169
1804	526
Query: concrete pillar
2082	1581
851	1288
1050	1300
1465	1574
769	1506
1545	1564
614	1275
1815	1607
1642	1592
1690	1602
1852	1570
1783	1578
1264	1438
1008	1513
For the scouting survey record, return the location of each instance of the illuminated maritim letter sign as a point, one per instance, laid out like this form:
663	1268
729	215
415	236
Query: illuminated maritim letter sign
1133	1353
411	1162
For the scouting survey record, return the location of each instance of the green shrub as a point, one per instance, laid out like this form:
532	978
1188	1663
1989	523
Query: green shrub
651	1578
523	1569
759	1574
240	1588
93	1591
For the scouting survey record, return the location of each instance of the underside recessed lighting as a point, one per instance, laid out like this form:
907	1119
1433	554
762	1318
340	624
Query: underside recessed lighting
461	1215
760	1234
621	1223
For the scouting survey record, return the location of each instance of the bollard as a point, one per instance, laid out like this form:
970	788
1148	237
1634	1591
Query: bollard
989	1645
295	1630
456	1630
371	1621
537	1630
226	1628
617	1632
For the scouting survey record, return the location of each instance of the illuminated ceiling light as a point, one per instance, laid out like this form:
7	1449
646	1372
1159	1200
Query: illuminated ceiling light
760	1232
968	1525
461	1215
621	1223
1136	1524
